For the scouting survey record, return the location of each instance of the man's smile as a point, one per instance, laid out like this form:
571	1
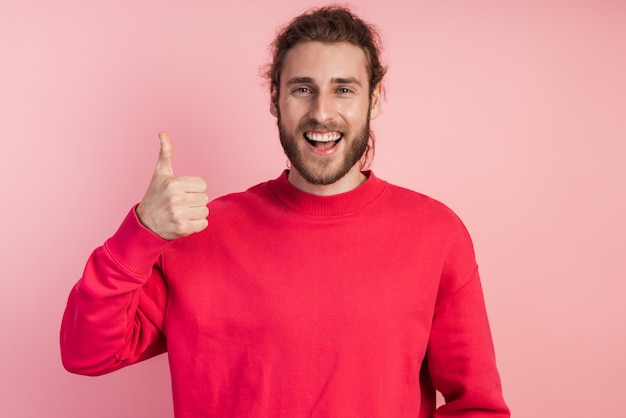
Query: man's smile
323	140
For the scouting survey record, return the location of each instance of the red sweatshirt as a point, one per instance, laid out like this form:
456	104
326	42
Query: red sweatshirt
295	305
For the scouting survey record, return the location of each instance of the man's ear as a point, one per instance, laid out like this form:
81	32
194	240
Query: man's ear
274	100
375	100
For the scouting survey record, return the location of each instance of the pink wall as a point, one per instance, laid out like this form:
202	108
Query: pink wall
513	113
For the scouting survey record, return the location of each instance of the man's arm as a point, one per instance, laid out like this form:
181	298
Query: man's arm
460	358
114	315
115	312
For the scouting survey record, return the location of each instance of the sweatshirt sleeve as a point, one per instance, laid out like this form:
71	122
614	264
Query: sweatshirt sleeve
114	314
461	358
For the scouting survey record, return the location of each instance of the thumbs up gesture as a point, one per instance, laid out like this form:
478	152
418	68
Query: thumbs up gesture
173	207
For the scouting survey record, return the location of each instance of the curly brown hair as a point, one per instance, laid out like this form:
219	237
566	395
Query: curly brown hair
328	24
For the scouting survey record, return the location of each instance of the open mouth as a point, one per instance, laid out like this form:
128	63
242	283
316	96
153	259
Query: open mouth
323	140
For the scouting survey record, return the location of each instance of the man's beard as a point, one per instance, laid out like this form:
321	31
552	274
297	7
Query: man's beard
318	170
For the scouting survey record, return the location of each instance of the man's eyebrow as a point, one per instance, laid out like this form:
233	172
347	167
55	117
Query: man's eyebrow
299	80
349	80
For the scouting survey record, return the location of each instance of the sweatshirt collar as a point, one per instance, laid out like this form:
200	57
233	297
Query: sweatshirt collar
304	203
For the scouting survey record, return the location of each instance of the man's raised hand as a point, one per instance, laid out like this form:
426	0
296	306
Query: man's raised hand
173	207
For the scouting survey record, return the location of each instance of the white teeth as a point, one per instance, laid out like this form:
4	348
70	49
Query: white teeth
325	137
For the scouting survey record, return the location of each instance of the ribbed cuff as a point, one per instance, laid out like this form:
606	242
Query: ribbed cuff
135	247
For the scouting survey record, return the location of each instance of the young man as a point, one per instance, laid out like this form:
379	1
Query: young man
326	292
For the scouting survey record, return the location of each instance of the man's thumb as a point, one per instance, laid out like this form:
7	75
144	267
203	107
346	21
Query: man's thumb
166	153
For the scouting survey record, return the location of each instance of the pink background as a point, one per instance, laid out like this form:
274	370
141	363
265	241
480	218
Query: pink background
511	112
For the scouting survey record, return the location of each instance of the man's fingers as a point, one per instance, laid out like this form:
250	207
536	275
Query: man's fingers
198	213
188	227
197	199
166	154
189	200
181	185
193	184
198	225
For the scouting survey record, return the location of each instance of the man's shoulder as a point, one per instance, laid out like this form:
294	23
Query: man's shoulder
413	198
421	207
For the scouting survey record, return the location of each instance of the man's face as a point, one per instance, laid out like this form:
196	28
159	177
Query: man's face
323	109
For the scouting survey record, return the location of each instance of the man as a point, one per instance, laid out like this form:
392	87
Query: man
326	292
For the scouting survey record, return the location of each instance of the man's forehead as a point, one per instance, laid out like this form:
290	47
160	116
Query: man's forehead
336	62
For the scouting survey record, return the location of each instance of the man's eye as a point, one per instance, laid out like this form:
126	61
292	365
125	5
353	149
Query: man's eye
302	90
343	90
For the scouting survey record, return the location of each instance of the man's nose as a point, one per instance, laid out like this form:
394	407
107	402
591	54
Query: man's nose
322	108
